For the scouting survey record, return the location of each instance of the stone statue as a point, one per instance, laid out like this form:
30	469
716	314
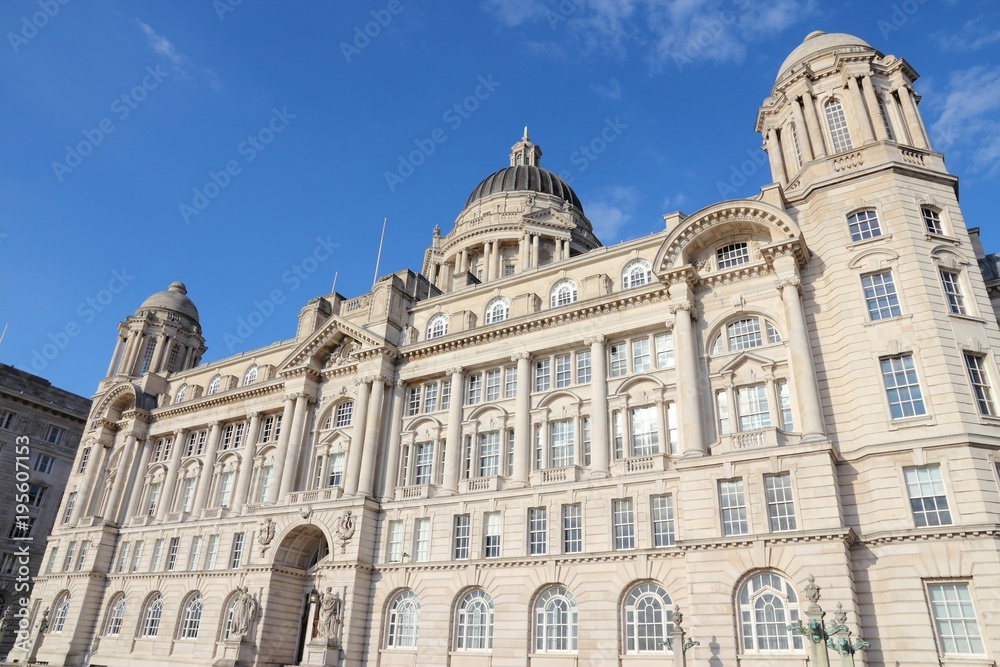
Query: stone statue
244	612
43	624
4	620
329	614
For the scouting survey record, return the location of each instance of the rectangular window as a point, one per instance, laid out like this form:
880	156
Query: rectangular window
265	483
734	509
623	524
880	295
583	369
460	537
236	555
981	387
640	355
539	449
395	549
187	494
618	432
175	544
35	494
752	403
572	525
43	464
422	540
927	497
211	552
537	531
564	370
344	414
732	255
780	508
53	555
194	558
20	530
430	397
68	561
744	334
154	563
474	392
423	463
509	467
84	457
54	435
562	443
662	508
586	441
226	488
722	406
902	388
664	344
619	362
672	437
122	557
7	419
645	431
543	374
953	290
785	403
336	475
932	220
446	394
228	433
136	556
491	535
413	401
82	558
493	385
955	619
837	122
489	454
510	382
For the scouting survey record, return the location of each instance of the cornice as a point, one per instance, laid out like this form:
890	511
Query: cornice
237	395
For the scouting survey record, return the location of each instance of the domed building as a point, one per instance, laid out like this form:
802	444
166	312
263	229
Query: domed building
765	435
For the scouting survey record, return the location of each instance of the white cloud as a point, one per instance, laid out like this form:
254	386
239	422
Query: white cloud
611	211
675	203
611	90
513	13
967	127
973	36
181	64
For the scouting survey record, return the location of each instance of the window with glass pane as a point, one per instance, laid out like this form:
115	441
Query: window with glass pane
491	535
951	280
572	525
583	369
636	274
981	387
474	392
664	345
586	441
510	382
780	508
192	617
785	403
211	552
463	526
474	627
767	605
864	225
430	397
564	370
928	500
403	614
226	488
623	524
732	255
555	621
561	443
154	563
673	440
194	558
645	431
437	326
116	616
640	355
335	475
880	295
175	544
955	619
68	561
617	431
489	454
497	310
344	414
423	463
543	374
744	334
136	556
753	408
493	385
412	401
563	294
236	555
422	540
151	619
395	547
509	466
901	386
932	220
445	394
836	121
733	505
619	362
648	619
662	508
537	531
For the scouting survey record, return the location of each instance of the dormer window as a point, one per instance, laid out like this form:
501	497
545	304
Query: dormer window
563	294
213	387
636	274
251	376
497	310
437	326
181	393
732	255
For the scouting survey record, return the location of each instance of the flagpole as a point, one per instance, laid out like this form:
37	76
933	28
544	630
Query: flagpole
378	258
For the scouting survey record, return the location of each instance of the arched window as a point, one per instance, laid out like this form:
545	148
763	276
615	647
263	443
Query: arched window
555	621
251	376
745	334
404	612
497	310
181	393
648	619
767	606
175	350
116	616
191	620
840	135
474	629
563	294
151	617
864	225
636	274
437	326
147	357
62	611
214	385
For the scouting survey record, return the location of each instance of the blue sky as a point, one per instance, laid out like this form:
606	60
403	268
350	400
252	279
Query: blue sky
251	149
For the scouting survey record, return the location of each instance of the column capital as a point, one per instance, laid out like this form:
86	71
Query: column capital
214	423
520	355
792	281
591	340
362	381
458	370
179	433
254	415
684	305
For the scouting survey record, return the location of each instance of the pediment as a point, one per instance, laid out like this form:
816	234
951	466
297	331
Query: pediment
336	343
745	359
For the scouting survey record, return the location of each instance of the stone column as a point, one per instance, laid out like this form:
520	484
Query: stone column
246	463
522	421
487	257
775	157
522	251
366	481
352	473
86	488
126	361
453	443
395	428
278	472
692	439
128	451
599	452
173	468
534	250
135	488
874	113
207	469
801	361
291	466
857	112
161	346
463	263
496	262
813	123
114	356
802	132
912	118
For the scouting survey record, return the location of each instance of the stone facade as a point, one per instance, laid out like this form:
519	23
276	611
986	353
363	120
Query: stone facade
530	451
40	429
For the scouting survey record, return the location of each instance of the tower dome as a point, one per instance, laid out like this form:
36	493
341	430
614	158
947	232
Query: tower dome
173	298
820	43
524	177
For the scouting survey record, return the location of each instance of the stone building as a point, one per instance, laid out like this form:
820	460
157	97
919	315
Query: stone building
530	451
40	429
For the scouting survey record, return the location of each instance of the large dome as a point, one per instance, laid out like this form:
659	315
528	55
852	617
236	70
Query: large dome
524	177
818	42
173	298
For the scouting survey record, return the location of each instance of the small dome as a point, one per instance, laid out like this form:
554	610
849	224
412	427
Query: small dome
818	42
173	298
524	177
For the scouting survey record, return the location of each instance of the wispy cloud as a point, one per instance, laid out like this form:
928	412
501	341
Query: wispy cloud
675	203
611	211
967	127
181	64
973	36
611	89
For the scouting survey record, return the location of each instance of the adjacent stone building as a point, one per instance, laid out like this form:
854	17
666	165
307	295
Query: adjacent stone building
40	429
530	451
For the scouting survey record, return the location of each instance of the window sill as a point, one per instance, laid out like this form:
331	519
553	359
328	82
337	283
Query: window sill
910	422
931	236
897	318
967	318
854	245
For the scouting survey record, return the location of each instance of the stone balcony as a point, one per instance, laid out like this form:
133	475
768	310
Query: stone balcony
556	475
759	439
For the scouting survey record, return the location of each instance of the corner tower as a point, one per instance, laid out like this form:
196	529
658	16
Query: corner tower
518	218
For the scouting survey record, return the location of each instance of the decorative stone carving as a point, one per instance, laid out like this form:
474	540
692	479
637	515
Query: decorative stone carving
344	529
244	612
265	535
